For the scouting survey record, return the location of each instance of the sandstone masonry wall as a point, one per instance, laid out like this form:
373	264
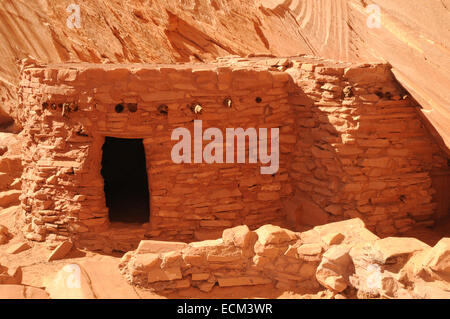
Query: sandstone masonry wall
361	150
69	111
351	145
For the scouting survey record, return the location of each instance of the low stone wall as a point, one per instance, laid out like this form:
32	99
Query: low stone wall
240	258
343	257
268	255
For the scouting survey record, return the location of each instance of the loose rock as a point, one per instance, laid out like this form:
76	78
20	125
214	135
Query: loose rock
61	251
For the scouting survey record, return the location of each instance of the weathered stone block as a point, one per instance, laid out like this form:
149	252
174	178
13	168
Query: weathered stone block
60	251
156	246
243	281
270	234
167	274
239	236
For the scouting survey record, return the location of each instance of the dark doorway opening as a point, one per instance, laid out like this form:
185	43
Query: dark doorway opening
126	184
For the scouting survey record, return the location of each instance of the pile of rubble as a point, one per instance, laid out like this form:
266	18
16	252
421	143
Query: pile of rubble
343	257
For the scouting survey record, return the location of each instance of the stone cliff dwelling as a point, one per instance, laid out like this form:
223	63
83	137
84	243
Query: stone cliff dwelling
97	153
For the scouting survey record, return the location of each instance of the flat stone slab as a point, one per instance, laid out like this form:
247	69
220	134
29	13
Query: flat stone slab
157	246
18	248
168	274
60	251
309	249
391	247
243	281
106	280
354	230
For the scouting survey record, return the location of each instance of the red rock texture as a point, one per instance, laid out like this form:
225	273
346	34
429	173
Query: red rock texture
413	37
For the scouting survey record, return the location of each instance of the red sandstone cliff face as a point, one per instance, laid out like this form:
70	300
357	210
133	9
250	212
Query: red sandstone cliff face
413	36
